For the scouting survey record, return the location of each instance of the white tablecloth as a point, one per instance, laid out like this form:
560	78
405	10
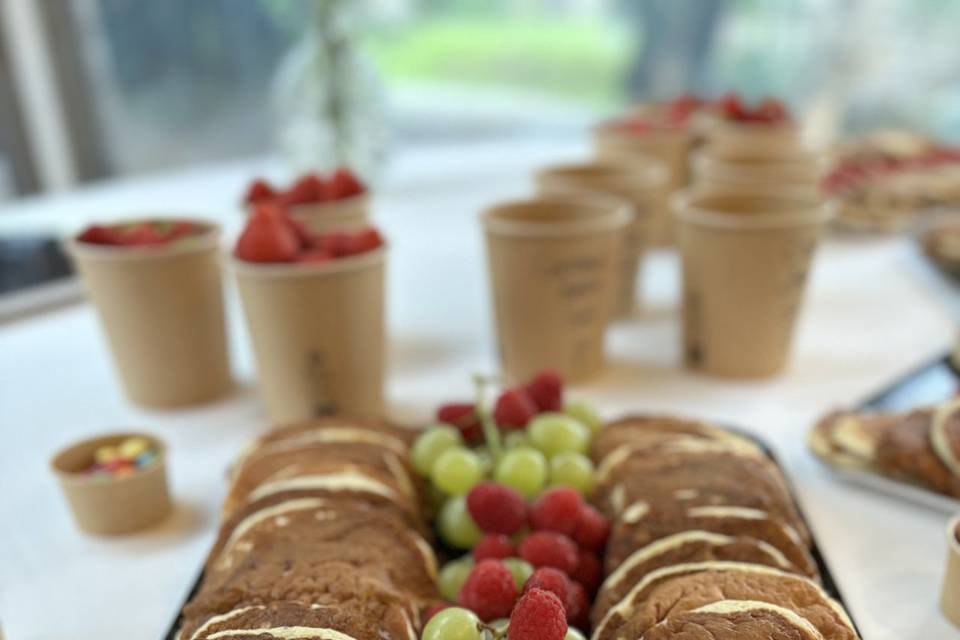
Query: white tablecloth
872	313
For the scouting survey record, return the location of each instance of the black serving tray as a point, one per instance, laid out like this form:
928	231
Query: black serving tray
826	577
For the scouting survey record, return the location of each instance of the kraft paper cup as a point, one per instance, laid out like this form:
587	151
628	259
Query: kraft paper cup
670	146
554	265
745	262
800	171
318	332
115	505
753	139
161	309
644	187
339	215
950	594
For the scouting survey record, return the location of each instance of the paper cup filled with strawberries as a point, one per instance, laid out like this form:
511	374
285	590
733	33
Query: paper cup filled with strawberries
157	290
765	128
314	307
337	202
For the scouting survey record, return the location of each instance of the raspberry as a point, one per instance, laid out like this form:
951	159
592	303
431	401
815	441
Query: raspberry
592	529
552	580
434	609
464	418
587	572
514	409
489	591
493	545
557	510
549	549
546	391
497	508
578	606
538	616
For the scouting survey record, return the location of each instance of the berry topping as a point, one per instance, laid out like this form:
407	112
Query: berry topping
549	549
489	591
494	545
497	508
546	391
539	615
343	184
258	191
592	529
307	190
557	509
514	409
268	237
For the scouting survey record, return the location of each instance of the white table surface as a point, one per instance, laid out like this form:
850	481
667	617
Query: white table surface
873	312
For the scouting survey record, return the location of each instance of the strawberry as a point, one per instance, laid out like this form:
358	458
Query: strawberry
343	184
315	256
98	234
546	391
140	235
258	191
307	190
514	409
364	240
463	417
770	110
337	243
181	229
730	106
268	237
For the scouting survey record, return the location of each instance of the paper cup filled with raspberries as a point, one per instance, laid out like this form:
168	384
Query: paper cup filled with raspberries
314	308
157	290
320	203
510	483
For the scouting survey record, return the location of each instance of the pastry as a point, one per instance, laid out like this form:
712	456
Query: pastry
735	620
680	588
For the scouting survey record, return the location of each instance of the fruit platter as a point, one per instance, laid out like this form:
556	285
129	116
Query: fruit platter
519	515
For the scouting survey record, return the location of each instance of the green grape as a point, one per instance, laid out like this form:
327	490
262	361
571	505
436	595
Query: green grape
453	623
452	576
457	470
553	433
430	444
521	570
586	414
573	634
524	469
572	470
515	440
456	526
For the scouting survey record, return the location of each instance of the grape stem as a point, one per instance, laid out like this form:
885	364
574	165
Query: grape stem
491	433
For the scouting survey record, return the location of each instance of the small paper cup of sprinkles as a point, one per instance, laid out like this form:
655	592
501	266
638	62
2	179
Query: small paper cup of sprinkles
115	483
950	594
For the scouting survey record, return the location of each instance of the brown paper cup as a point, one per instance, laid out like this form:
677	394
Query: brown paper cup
745	261
318	332
322	217
950	594
162	311
119	505
554	265
799	172
644	187
670	146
